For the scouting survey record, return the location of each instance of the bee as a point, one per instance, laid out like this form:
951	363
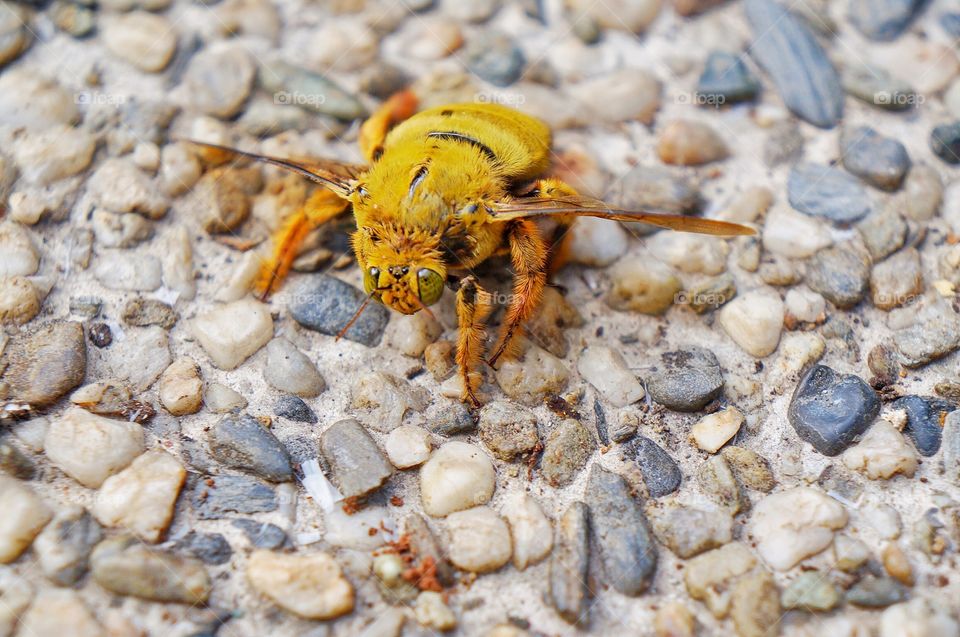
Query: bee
444	190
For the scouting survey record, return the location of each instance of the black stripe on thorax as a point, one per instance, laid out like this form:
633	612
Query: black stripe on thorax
455	136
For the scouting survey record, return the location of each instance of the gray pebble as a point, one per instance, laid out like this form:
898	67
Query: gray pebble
934	334
215	496
357	465
494	57
620	529
878	160
884	20
240	441
655	188
293	408
13	462
840	274
725	80
687	531
569	565
951	23
786	49
209	548
784	145
687	379
822	191
126	566
829	410
219	81
309	90
811	591
884	232
423	544
63	547
951	446
877	87
262	535
508	430
566	451
453	421
326	304
876	592
945	142
45	363
661	475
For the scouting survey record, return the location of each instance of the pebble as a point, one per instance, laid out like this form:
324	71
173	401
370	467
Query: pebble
879	160
918	617
897	281
625	95
794	235
896	564
688	531
714	430
45	363
361	531
755	604
141	498
248	17
804	306
457	476
711	294
289	370
408	446
241	442
54	154
632	17
754	322
876	592
218	81
751	469
14	32
112	398
89	448
424	544
119	186
178	271
849	553
20	256
822	191
15	463
951	446
840	274
19	300
63	547
884	519
295	409
480	540
934	334
301	86
607	371
945	142
812	592
717	480
569	563
326	304
221	399
508	430
790	526
35	102
209	548
233	332
181	387
389	396
660	472
925	418
951	23
883	233
689	143
597	242
788	51
537	375
553	318
26	515
725	80
412	333
566	451
223	197
125	566
531	532
883	20
878	87
262	535
495	58
710	577
432	612
309	585
784	144
145	40
357	465
431	38
687	380
657	188
881	453
829	410
140	358
129	271
642	285
690	252
58	611
217	495
179	168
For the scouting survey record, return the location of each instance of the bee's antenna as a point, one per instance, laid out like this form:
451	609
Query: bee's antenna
356	315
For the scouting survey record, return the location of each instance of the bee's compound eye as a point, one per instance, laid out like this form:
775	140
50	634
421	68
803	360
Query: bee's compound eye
431	286
371	279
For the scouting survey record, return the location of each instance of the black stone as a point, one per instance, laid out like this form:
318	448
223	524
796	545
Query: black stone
239	441
687	380
326	304
661	475
884	20
293	408
925	416
214	496
262	535
788	50
945	142
822	191
209	548
725	80
829	410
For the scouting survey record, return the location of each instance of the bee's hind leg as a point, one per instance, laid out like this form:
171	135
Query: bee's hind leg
398	107
474	305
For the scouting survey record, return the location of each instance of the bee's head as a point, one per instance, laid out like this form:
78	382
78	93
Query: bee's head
400	269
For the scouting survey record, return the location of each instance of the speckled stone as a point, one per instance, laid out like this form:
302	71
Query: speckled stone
569	565
125	566
214	497
879	160
822	191
45	363
725	79
566	450
840	274
829	410
325	304
686	380
356	462
661	475
240	441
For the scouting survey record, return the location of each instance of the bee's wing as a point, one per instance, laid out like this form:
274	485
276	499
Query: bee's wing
587	206
340	177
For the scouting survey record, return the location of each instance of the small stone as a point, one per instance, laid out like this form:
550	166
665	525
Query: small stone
569	564
710	577
921	195
140	358
112	398
530	530
754	322
784	145
750	469
787	50
432	612
431	38
829	410
390	398
896	564
840	274
18	252
479	540
129	271
876	592
945	142
897	281
661	475
712	294
566	451
248	17
215	496
688	143
63	547
145	40
642	285
140	499
223	197
355	460
424	544
141	312
209	548
628	94
495	58
54	154
849	553
690	252
687	531
883	20
715	430
597	242
408	446
14	32
119	186
221	399
884	519
881	454
179	168
125	566
262	535
293	408
181	387
15	463
673	619
295	85
878	160
241	442
508	430
755	604
794	235
45	363
555	314
657	188
59	612
326	304
687	380
178	271
412	333
219	80
457	476
883	232
925	418
290	371
310	585
919	616
725	80
537	375
89	448
822	191
231	333
20	300
935	333
791	525
951	446
606	369
717	480
32	100
26	515
811	591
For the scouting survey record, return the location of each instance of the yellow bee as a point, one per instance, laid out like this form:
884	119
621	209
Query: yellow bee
445	189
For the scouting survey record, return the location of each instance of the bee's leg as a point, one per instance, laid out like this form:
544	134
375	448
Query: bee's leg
560	243
528	253
319	208
399	107
474	305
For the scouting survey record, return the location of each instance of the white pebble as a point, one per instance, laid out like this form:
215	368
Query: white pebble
805	305
54	154
389	396
289	370
479	540
408	446
411	333
360	531
530	529
146	155
129	271
119	186
605	369
715	430
792	525
310	585
690	252
597	242
793	234
59	611
90	448
24	515
181	387
145	40
19	300
178	272
918	617
179	169
754	322
231	333
432	612
141	356
884	519
18	253
881	453
534	376
457	476
221	399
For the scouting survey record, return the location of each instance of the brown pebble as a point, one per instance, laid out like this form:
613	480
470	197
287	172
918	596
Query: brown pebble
897	565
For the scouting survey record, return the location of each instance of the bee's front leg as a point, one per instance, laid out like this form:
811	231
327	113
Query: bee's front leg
474	305
528	253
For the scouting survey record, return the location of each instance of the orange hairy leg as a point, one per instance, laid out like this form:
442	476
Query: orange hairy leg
528	254
474	305
399	107
320	207
560	250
